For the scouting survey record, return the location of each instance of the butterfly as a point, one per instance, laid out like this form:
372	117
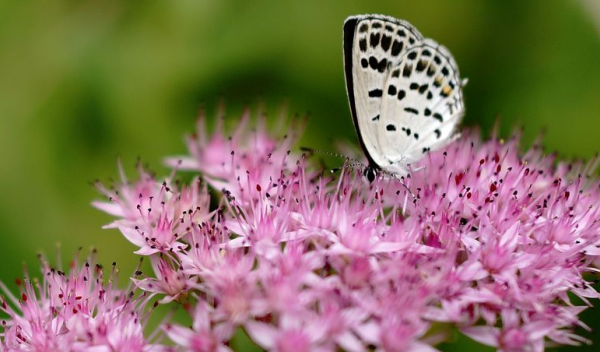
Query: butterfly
404	90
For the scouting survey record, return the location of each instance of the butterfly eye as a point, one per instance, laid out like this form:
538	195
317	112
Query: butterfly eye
369	173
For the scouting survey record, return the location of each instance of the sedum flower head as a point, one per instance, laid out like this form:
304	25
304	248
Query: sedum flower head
75	311
480	237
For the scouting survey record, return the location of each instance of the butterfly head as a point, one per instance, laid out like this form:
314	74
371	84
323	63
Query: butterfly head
370	173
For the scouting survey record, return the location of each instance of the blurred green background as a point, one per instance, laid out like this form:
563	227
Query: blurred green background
83	83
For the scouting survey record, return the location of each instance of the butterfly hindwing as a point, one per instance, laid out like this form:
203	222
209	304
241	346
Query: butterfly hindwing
421	105
372	44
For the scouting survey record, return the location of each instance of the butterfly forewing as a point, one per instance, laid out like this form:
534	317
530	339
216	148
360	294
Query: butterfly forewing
421	105
372	45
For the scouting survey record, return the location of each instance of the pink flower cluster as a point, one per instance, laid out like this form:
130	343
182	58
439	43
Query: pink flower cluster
488	241
75	311
493	243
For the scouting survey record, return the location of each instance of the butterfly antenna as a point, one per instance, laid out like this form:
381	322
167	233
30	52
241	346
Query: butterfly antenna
322	152
349	163
328	153
356	164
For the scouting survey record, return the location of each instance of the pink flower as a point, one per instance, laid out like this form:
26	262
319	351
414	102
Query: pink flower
234	287
522	245
249	156
494	243
288	337
202	336
155	215
170	280
75	311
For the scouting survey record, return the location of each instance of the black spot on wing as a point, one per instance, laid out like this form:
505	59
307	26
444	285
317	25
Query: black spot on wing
390	127
401	33
429	95
397	47
382	65
389	28
407	71
363	28
425	150
362	44
414	86
421	65
392	89
416	135
412	55
401	94
438	117
437	60
376	118
376	24
396	73
373	62
375	93
375	38
423	88
412	110
438	133
445	71
386	41
431	70
426	53
427	112
407	130
364	63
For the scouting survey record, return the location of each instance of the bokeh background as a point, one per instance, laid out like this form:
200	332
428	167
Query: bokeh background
83	83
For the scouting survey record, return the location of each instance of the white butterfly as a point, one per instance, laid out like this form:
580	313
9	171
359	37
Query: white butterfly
404	90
